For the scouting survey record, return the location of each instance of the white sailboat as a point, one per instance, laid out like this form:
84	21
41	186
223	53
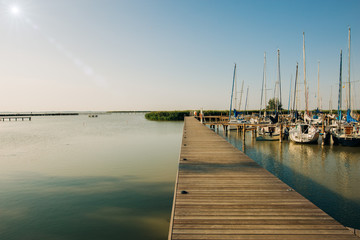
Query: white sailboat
270	132
262	119
304	132
234	118
315	119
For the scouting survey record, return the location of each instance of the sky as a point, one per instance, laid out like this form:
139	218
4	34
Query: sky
96	55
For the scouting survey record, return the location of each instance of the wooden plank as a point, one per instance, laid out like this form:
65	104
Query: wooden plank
220	193
257	221
262	227
262	237
262	231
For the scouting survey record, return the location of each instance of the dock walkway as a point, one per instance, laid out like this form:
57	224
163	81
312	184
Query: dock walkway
221	193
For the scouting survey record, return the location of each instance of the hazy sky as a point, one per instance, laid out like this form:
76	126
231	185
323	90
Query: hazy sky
73	55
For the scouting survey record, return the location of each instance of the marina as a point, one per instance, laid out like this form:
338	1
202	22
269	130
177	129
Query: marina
179	120
220	192
325	129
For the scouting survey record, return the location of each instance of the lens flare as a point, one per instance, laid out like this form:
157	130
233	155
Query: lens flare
15	10
19	14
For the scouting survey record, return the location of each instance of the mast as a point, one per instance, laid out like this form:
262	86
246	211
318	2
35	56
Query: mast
289	103
306	101
265	83
340	89
318	92
279	76
247	93
277	84
232	91
295	95
235	92
262	88
330	101
297	99
349	91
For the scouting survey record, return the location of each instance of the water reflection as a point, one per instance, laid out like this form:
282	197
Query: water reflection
84	208
327	175
110	177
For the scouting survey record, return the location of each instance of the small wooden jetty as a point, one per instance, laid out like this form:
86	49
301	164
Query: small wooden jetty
221	193
27	116
14	119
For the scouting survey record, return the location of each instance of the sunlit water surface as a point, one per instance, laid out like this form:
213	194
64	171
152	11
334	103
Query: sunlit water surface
329	176
75	177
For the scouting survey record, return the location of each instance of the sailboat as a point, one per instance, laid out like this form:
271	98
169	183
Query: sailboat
346	133
304	132
234	118
263	118
270	131
349	118
315	119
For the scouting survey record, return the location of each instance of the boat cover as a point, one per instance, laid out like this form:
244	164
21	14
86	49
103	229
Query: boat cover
349	119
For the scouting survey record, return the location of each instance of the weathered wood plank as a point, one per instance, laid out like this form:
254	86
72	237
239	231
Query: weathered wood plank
262	227
262	231
262	237
256	221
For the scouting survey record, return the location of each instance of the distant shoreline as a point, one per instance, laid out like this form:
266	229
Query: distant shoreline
35	114
30	114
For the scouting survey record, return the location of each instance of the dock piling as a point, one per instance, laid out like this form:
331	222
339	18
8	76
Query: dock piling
243	131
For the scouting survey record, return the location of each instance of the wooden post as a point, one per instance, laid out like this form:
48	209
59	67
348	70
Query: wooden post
323	133
244	131
281	133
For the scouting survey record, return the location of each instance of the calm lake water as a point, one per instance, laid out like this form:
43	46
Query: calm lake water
75	177
112	177
329	176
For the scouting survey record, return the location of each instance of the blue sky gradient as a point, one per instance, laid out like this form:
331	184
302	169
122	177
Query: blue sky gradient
166	55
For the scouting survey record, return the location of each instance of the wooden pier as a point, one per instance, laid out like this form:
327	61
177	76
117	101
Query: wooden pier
14	119
221	193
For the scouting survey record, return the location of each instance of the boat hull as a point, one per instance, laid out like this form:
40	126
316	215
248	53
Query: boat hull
268	138
304	139
349	142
